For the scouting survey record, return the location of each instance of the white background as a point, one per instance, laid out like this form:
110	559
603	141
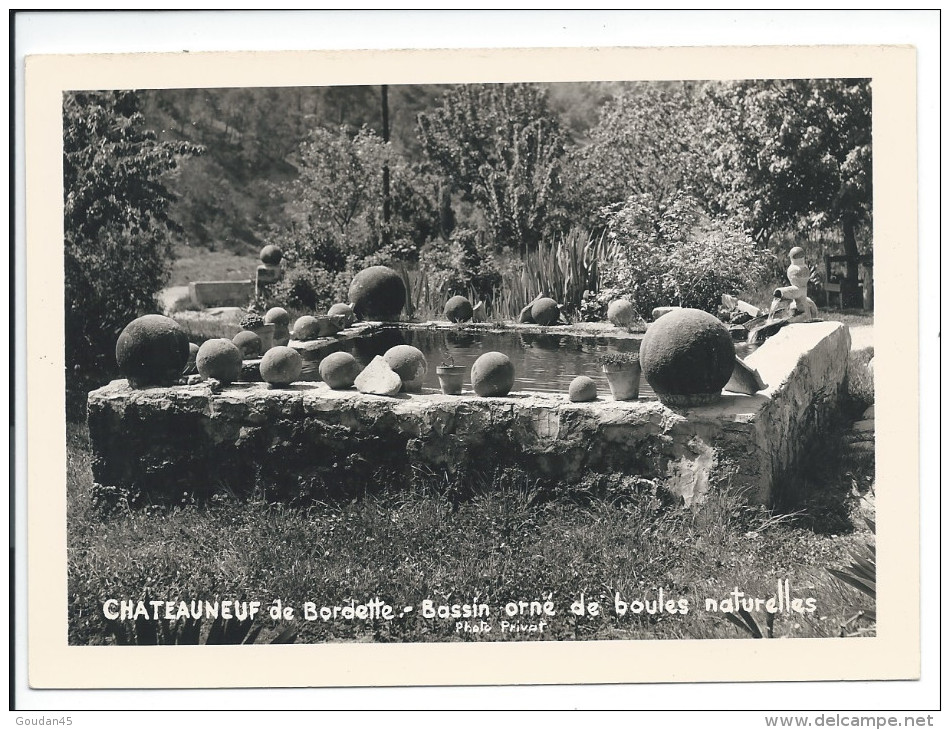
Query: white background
89	32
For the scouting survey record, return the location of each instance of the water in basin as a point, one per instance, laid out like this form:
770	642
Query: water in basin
543	362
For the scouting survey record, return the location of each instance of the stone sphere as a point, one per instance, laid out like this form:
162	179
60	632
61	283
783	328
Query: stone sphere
339	370
409	364
219	359
281	366
343	310
306	328
687	357
378	293
192	354
493	375
278	316
249	343
271	254
582	389
152	350
545	311
458	309
621	313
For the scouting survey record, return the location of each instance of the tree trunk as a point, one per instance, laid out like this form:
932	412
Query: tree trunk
851	251
387	205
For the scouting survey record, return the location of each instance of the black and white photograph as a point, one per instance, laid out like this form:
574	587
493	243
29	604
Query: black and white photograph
506	361
473	362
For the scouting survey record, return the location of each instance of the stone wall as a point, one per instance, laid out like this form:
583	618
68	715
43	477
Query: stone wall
308	441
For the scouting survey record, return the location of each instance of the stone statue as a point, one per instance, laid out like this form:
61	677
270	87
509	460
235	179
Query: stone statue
802	307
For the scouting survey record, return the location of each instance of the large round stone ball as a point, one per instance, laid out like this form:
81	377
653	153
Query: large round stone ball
306	328
621	312
378	293
339	370
219	359
249	343
278	316
152	350
409	364
281	366
545	311
687	357
493	375
458	309
343	310
271	254
582	389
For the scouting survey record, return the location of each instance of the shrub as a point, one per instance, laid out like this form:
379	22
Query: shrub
309	289
464	266
118	234
676	254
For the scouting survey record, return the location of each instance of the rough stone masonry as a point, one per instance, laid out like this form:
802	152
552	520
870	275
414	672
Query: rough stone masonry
309	441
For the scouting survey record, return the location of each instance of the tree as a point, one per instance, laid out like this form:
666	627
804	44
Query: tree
335	205
118	233
500	147
791	153
646	142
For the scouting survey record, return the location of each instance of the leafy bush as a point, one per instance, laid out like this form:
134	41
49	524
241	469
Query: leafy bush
118	234
676	255
309	289
463	265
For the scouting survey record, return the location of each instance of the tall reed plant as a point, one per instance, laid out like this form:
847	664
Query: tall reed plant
565	271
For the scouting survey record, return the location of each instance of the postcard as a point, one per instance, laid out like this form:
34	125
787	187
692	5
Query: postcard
324	348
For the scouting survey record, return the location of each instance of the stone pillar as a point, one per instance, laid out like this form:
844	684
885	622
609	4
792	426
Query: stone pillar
269	271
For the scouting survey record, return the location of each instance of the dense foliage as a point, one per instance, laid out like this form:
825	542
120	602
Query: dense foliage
789	154
676	254
500	192
501	147
117	224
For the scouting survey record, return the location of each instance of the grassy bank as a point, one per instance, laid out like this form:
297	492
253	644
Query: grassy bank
408	543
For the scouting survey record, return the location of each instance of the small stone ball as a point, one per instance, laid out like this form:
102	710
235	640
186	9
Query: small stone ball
271	254
249	343
339	370
582	389
687	357
152	350
409	364
378	293
306	328
281	366
219	359
278	316
192	354
343	310
545	311
458	309
621	313
493	375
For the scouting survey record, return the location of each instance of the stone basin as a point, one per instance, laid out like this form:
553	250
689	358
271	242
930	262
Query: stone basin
310	441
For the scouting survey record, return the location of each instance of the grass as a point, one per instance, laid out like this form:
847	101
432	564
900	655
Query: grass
505	541
202	264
